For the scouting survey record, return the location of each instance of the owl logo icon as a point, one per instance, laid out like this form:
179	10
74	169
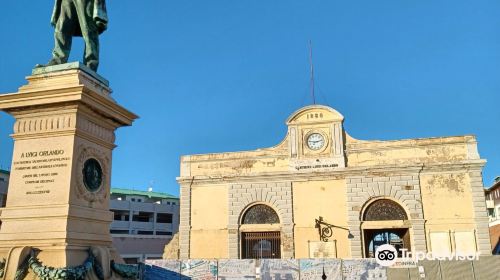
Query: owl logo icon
386	255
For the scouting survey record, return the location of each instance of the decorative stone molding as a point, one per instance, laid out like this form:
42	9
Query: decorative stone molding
370	171
44	124
403	189
96	130
101	194
276	195
368	146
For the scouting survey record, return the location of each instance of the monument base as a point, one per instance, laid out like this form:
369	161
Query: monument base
27	261
57	208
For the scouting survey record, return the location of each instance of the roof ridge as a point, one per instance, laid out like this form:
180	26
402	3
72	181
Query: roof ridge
141	192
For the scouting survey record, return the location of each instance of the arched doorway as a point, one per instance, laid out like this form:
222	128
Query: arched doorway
260	235
384	223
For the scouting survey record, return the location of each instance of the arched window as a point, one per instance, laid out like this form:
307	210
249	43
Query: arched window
384	210
260	214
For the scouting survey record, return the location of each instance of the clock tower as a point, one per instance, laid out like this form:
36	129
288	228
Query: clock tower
316	139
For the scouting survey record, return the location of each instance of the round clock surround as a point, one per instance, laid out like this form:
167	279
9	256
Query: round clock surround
315	141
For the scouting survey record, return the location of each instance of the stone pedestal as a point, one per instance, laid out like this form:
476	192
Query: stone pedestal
58	199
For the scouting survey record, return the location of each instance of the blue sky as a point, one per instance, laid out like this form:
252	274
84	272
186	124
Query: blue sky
215	76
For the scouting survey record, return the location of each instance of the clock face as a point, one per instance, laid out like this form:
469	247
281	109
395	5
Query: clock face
315	141
92	175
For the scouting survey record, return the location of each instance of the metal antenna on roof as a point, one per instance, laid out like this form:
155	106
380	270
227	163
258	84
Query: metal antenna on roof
312	72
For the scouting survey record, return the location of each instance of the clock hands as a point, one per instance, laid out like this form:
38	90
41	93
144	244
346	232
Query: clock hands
315	141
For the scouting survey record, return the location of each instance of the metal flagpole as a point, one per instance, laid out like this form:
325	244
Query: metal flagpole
312	72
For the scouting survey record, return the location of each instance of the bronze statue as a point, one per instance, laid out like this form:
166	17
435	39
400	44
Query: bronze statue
82	18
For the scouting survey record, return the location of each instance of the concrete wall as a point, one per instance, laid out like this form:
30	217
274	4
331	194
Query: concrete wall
140	247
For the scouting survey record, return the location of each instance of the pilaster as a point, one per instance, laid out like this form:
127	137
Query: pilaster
185	221
480	212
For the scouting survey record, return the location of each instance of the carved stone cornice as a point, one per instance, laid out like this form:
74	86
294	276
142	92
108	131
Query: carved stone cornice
66	87
368	146
341	173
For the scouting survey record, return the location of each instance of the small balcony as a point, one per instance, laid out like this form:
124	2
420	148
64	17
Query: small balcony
120	224
164	227
142	225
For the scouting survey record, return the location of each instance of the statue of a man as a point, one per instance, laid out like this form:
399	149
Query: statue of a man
82	18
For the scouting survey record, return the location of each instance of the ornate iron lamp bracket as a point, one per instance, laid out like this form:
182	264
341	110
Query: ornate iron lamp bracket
326	230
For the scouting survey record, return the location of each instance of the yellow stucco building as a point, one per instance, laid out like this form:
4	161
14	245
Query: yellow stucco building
322	193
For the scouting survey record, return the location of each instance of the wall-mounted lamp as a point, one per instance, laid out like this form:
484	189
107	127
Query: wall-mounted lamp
325	229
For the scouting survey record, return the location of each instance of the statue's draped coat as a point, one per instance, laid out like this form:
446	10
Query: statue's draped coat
96	13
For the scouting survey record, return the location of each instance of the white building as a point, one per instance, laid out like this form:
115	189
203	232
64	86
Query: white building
144	222
493	204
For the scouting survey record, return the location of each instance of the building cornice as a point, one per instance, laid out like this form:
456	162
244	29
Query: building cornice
381	170
367	146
